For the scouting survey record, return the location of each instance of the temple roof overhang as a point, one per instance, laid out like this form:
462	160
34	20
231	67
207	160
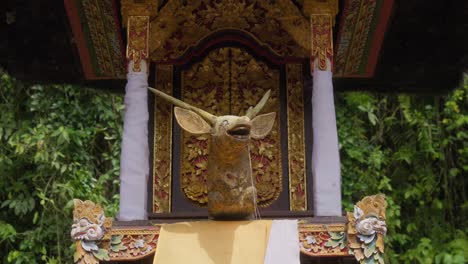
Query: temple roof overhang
384	45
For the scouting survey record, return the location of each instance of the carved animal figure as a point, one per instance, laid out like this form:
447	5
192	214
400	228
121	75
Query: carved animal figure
231	192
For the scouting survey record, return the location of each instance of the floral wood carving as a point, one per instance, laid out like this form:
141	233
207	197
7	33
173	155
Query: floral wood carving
137	35
296	143
180	25
132	244
227	81
367	228
323	240
162	165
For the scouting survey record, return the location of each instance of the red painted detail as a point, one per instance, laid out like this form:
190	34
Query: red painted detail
77	30
381	28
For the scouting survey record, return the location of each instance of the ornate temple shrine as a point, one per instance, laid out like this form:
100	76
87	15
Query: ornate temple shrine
222	56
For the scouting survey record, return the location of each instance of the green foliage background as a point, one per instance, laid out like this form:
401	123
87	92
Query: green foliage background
63	142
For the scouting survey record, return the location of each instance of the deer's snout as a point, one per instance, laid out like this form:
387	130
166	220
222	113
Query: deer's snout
240	131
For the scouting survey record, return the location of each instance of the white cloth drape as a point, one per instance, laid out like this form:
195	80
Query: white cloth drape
283	244
134	160
325	155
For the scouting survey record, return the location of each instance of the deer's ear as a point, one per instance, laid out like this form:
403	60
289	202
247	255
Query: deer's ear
191	122
262	124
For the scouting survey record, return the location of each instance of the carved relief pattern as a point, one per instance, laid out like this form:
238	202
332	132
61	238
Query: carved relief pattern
104	36
229	80
296	143
121	245
250	80
204	85
162	165
324	243
323	240
277	24
137	35
322	40
132	244
354	36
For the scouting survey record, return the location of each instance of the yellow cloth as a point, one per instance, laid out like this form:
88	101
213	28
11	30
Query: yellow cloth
217	242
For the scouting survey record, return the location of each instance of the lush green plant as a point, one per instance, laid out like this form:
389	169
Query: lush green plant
56	143
414	149
62	142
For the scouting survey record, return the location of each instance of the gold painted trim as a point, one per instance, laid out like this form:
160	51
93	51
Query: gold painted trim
296	137
307	227
162	138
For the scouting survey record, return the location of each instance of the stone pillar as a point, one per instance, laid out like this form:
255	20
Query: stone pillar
134	162
325	156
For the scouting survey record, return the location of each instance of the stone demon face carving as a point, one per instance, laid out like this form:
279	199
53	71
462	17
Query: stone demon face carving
367	228
370	226
84	229
89	222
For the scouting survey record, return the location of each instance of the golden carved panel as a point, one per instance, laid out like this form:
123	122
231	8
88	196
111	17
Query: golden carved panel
162	161
278	25
296	138
228	81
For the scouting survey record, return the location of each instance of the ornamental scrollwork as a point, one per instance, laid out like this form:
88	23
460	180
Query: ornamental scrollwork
367	228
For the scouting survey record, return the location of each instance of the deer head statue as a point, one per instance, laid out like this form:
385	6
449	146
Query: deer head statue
231	192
